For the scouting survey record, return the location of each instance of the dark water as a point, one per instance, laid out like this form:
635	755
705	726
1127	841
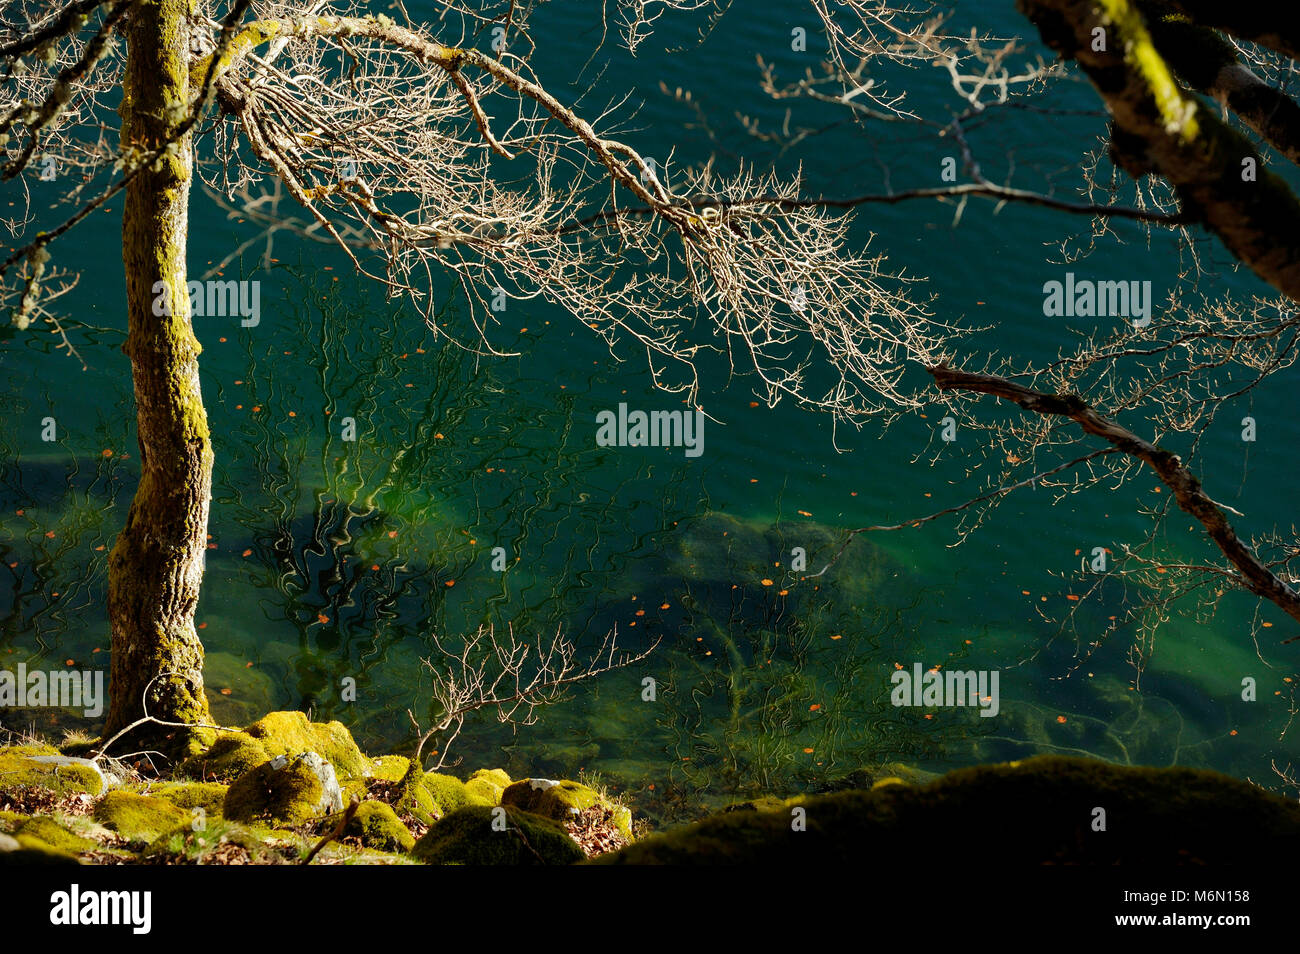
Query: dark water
332	560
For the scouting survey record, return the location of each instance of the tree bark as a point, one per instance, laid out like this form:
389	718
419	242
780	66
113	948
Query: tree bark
156	565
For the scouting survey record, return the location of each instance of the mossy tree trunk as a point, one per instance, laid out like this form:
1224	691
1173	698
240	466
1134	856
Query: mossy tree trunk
156	565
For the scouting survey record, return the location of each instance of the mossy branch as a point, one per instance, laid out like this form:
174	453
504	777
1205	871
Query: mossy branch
1164	130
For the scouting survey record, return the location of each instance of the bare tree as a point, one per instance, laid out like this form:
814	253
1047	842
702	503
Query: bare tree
1184	169
389	135
392	137
512	676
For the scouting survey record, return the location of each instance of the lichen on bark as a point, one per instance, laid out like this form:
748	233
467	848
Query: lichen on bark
156	565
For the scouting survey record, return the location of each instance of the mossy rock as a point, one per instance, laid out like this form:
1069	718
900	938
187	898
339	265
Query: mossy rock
209	796
486	785
1041	808
232	754
286	796
483	835
34	851
448	792
288	733
17	769
389	768
138	817
53	834
432	797
378	827
562	800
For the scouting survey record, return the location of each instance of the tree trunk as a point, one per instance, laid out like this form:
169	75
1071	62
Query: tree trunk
157	563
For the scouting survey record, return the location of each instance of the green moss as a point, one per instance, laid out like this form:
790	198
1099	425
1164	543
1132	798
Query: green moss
289	733
447	792
470	837
378	827
209	796
199	847
1042	810
486	785
53	834
33	851
288	796
17	770
230	756
1176	111
280	733
390	768
138	817
562	800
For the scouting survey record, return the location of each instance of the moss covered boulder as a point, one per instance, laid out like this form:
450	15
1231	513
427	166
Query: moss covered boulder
496	835
284	791
378	827
485	786
209	797
233	754
51	834
30	850
563	800
1041	810
389	768
288	733
138	817
43	766
447	792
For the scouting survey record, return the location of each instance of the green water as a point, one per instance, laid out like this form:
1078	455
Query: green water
332	559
